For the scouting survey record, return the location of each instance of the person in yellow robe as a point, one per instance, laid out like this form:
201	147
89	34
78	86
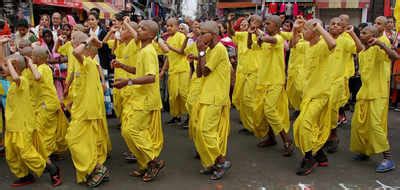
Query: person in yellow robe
20	135
296	74
178	71
271	107
86	135
50	118
212	119
312	127
246	72
143	132
347	44
369	132
195	82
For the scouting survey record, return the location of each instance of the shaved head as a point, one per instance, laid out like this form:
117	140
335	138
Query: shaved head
275	19
256	18
381	18
20	61
151	25
371	29
312	22
345	18
172	21
79	36
39	51
210	26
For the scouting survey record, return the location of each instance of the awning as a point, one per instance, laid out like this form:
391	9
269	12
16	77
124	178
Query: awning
230	5
326	4
60	3
106	10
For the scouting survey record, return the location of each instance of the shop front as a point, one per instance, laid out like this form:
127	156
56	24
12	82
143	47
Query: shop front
356	9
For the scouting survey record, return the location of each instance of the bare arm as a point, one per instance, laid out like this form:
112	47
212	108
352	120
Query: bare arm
78	51
148	79
14	75
129	27
330	41
127	68
33	69
359	45
391	53
231	31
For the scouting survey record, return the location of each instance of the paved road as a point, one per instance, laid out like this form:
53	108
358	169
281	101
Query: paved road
253	168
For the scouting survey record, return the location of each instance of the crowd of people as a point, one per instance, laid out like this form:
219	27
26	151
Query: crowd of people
55	80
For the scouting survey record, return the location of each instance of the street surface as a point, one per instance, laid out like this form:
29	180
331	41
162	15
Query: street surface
253	168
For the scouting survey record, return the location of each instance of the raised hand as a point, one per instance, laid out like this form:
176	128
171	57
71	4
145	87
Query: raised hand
120	83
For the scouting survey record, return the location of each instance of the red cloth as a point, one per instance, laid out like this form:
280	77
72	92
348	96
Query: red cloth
236	26
273	8
386	10
6	30
282	8
295	9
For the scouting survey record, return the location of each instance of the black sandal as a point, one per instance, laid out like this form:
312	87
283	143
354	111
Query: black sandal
99	173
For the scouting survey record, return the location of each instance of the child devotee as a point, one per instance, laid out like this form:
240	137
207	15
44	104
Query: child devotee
178	71
271	107
142	131
246	71
87	134
312	127
50	119
21	136
212	115
345	49
369	132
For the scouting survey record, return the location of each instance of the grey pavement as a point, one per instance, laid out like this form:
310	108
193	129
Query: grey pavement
253	168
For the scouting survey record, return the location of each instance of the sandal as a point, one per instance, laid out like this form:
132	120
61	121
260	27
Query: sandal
221	170
137	173
288	149
154	170
107	176
97	177
267	143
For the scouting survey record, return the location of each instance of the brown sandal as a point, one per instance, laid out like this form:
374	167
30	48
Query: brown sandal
288	149
153	170
137	173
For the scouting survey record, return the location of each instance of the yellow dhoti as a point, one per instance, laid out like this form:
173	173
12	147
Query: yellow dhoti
192	102
52	127
178	87
247	101
87	149
212	131
271	110
338	98
143	135
22	155
294	91
238	90
312	128
369	127
117	102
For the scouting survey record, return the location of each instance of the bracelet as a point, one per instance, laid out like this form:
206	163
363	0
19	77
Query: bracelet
130	82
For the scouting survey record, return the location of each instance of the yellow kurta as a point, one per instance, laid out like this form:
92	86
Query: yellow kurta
87	133
51	121
73	65
21	154
369	123
272	107
340	59
296	74
194	90
178	76
118	73
212	120
143	132
245	77
312	128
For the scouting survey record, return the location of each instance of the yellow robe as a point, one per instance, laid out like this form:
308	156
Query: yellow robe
178	76
271	109
194	90
87	133
369	123
312	128
212	119
142	131
21	153
296	74
245	79
51	121
340	63
118	73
